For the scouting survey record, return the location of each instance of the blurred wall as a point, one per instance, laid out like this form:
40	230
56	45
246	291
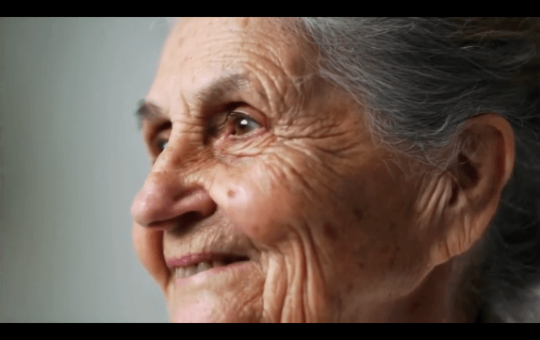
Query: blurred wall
71	161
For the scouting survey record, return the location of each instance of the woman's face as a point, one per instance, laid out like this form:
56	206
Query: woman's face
268	199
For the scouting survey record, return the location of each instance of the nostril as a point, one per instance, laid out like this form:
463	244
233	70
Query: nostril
186	222
179	223
190	218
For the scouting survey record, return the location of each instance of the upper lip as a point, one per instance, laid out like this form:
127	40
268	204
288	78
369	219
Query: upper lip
195	258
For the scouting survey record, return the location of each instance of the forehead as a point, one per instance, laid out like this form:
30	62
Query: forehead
198	51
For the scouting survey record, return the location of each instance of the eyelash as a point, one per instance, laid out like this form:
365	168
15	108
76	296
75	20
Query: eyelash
231	120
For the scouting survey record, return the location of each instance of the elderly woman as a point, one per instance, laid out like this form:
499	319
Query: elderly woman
344	170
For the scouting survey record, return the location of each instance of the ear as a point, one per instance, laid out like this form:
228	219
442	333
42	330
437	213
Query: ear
478	175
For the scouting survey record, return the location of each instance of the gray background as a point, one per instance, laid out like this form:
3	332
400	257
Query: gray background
71	161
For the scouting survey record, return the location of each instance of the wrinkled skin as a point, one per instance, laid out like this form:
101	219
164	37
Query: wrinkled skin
334	228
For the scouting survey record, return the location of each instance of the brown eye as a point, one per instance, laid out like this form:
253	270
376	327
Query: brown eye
242	124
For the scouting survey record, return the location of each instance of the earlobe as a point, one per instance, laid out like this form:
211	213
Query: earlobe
479	173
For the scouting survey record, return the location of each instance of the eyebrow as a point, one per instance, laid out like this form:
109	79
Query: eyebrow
214	93
220	88
148	111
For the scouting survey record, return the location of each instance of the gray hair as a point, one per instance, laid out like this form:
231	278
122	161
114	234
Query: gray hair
419	80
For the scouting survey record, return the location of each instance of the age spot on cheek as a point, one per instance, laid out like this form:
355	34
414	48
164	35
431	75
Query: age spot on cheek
230	193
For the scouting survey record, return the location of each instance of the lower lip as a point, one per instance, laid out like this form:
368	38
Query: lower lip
207	274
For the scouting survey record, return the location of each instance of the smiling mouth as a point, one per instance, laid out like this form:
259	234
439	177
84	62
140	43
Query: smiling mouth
194	264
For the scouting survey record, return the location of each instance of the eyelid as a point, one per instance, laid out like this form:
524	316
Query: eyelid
151	130
240	114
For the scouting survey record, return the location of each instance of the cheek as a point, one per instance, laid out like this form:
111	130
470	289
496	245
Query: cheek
254	203
372	233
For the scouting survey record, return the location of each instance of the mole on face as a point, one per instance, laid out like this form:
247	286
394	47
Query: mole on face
230	193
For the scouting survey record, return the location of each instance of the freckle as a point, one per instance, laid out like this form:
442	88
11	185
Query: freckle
392	226
350	287
230	193
385	250
358	213
360	265
330	232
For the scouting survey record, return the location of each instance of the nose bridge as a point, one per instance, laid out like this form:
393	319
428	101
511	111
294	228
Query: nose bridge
181	153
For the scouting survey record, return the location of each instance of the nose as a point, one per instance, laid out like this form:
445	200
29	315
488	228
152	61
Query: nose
167	196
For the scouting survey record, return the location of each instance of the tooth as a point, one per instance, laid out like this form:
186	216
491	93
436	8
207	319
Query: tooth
218	263
203	266
180	272
191	270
